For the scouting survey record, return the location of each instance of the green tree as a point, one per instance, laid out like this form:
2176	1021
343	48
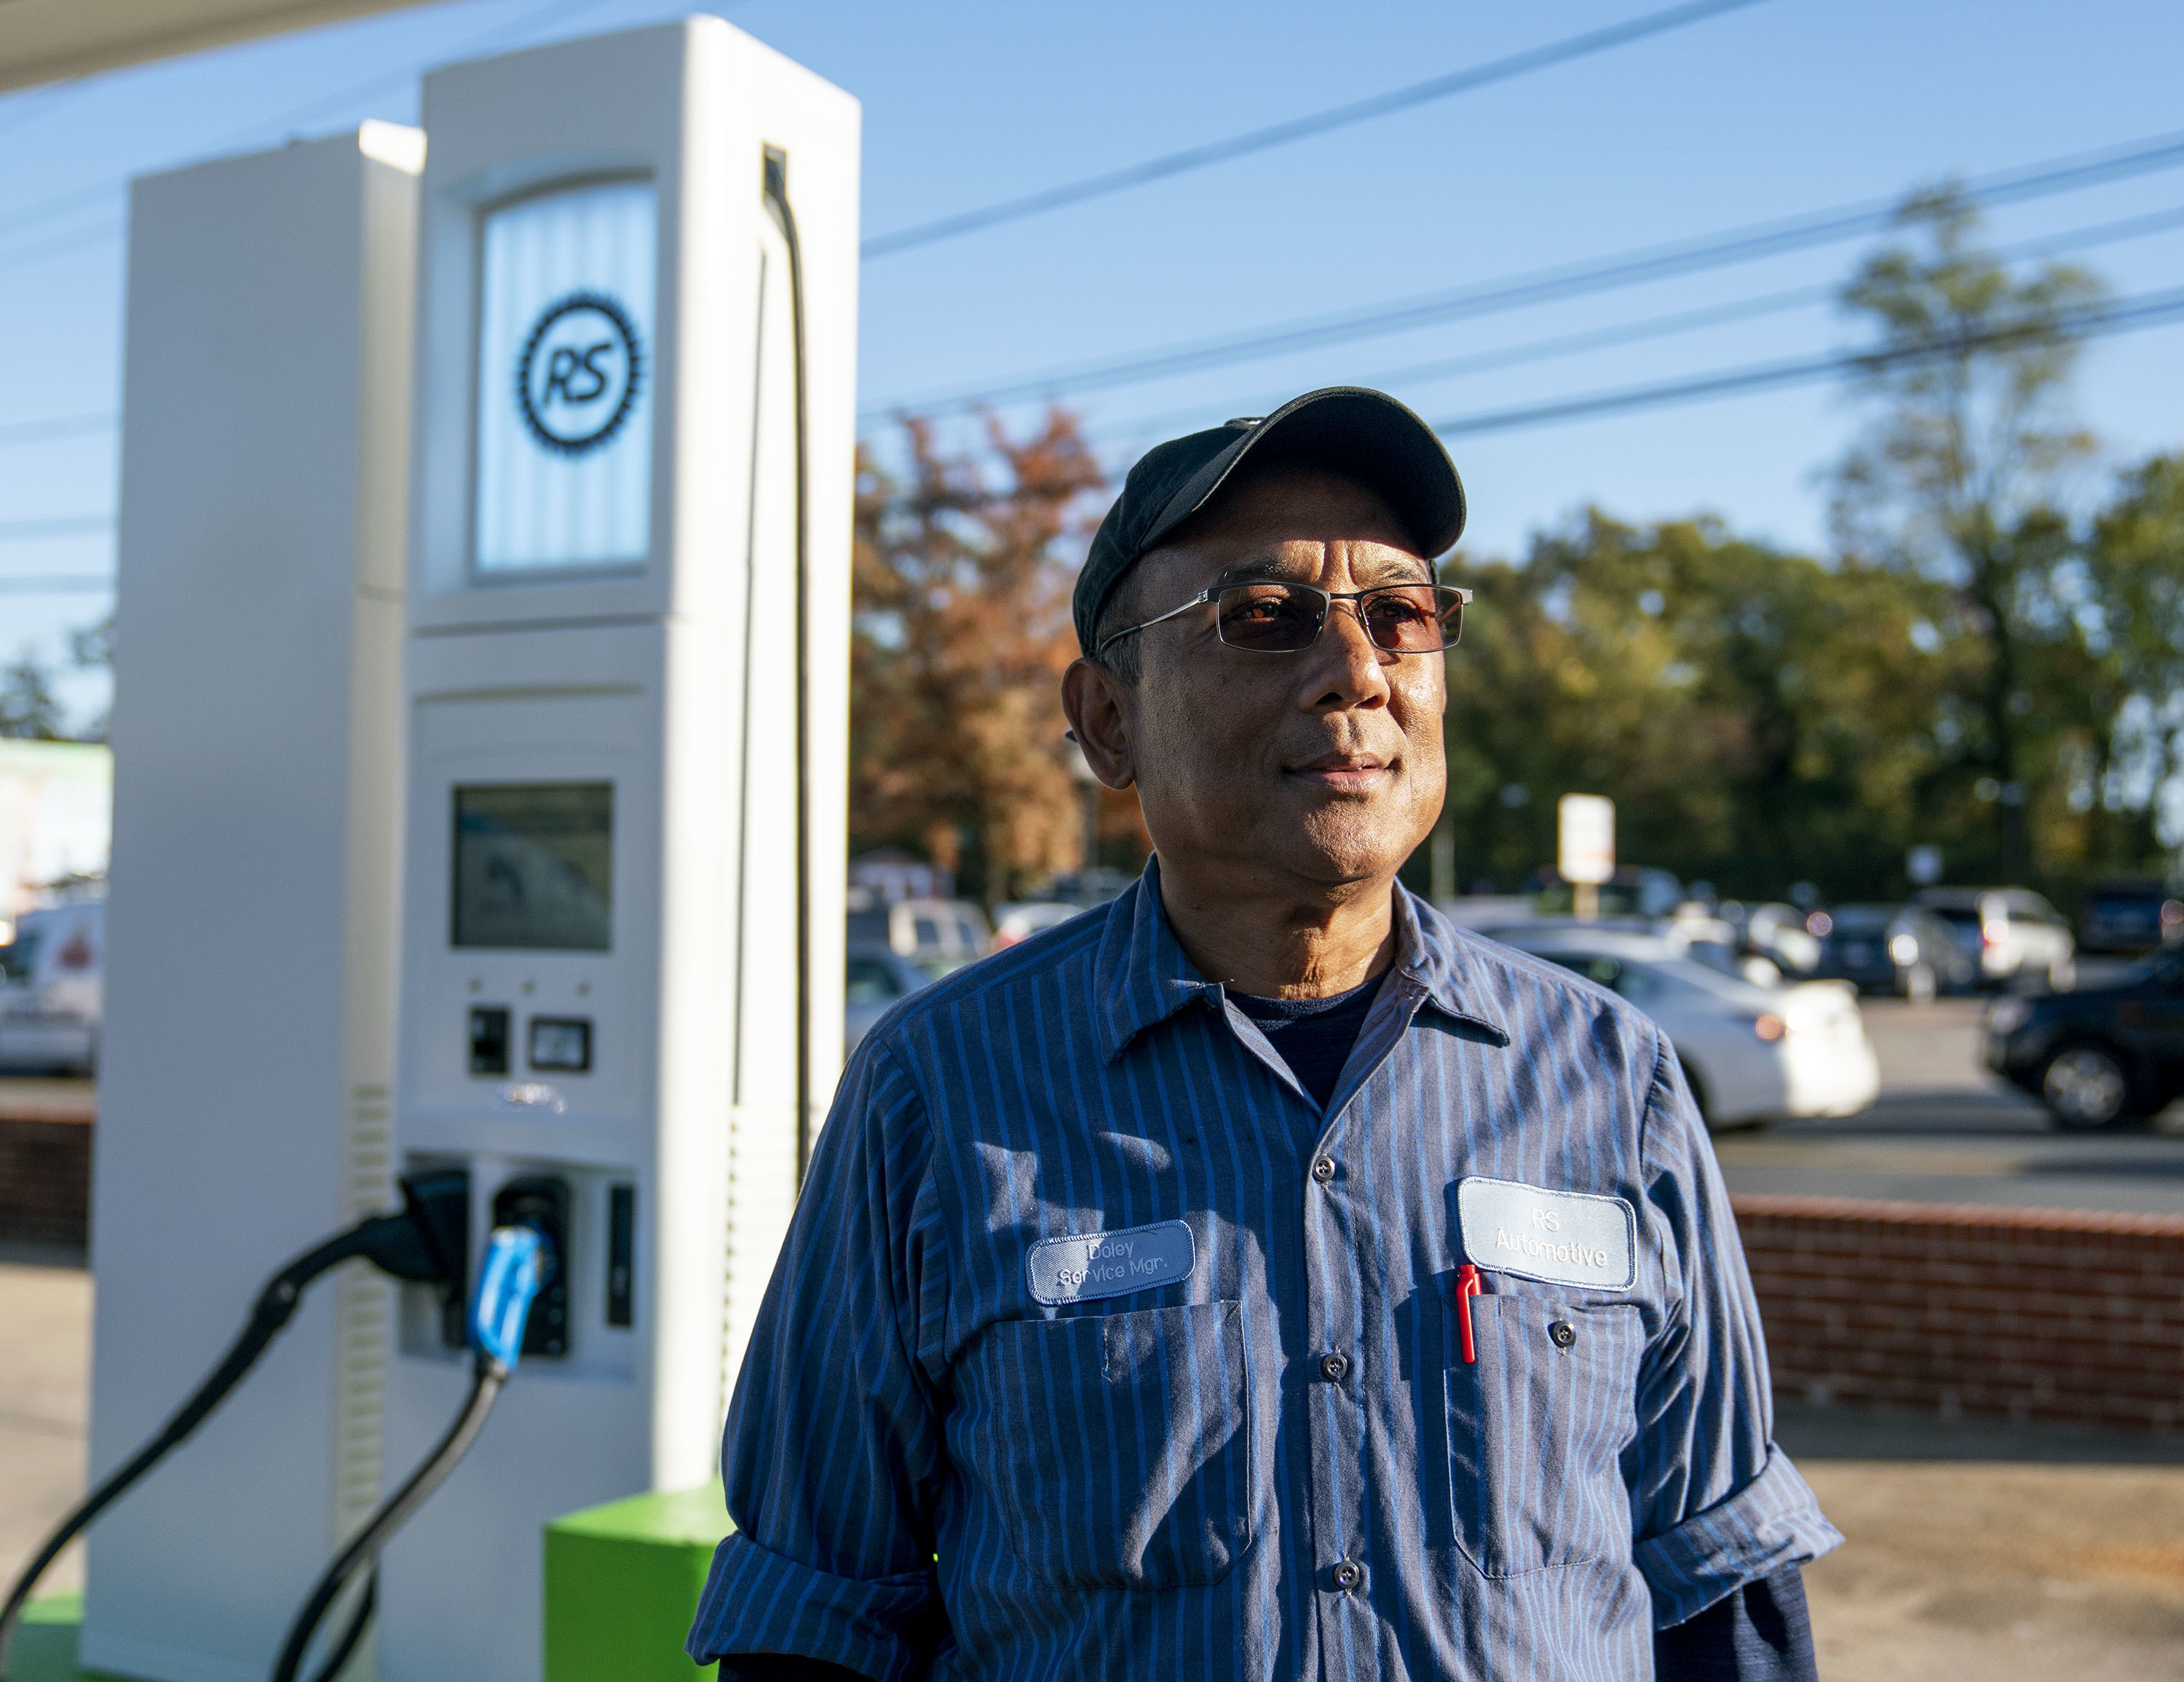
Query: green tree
1955	482
2128	616
28	705
1757	716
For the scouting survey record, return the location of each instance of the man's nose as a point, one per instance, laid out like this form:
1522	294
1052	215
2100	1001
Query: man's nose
1359	669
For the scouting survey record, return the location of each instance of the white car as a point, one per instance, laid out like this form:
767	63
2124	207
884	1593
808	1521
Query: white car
1750	1053
53	992
1020	920
2010	932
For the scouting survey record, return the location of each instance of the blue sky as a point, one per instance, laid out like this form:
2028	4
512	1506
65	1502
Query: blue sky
1783	108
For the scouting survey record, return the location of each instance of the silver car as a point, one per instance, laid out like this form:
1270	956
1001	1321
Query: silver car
1749	1053
2011	934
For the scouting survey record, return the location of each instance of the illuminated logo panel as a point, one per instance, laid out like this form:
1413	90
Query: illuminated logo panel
564	381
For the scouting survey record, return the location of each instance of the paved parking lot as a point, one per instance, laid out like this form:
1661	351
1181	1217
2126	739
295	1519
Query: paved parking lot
45	1402
1944	1130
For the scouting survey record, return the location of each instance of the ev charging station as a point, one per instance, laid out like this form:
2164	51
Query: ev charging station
528	861
599	944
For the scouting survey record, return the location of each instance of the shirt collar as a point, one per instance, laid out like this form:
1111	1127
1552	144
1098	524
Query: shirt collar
1432	954
1142	975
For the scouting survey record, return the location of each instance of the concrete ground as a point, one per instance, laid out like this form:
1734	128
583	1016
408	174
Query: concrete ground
1976	1552
45	1403
1992	1553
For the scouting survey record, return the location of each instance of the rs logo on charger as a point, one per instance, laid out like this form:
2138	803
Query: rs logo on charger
578	375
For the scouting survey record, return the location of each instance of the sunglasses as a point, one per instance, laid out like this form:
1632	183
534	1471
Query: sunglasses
1270	618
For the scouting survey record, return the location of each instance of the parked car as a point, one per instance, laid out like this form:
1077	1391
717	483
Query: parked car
878	978
2098	1057
2011	934
1777	933
1904	950
953	931
53	992
1018	922
2130	917
1750	1053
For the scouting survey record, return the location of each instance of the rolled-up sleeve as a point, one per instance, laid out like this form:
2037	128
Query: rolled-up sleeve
832	1455
1716	1505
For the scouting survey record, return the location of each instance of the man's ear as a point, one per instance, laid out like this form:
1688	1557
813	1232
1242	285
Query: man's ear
1092	697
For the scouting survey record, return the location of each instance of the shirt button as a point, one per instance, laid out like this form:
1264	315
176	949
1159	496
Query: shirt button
1348	1573
1563	1333
1322	1169
1335	1366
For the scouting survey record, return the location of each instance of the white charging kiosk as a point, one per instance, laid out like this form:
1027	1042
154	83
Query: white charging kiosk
629	621
247	1056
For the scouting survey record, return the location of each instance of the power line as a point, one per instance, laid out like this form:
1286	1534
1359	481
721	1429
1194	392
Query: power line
1654	326
53	583
95	234
1299	128
2131	314
25	111
63	525
1622	269
61	204
59	426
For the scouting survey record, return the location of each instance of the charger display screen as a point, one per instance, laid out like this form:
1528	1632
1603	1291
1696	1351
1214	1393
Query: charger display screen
534	865
563	1043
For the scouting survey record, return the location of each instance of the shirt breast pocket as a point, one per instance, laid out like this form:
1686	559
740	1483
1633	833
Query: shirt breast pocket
1116	1446
1537	1425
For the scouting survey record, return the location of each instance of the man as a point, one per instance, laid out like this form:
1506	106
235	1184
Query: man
1259	1277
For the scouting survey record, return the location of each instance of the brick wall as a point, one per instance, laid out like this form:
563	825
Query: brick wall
2018	1313
45	1180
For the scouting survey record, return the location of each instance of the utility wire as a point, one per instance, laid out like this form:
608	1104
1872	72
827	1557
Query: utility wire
28	106
53	583
1630	268
1534	350
77	198
2130	315
1299	128
59	426
96	234
63	525
1650	327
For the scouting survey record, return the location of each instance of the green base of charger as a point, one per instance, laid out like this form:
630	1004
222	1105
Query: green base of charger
622	1582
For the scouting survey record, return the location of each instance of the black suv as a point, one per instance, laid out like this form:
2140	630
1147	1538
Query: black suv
2100	1055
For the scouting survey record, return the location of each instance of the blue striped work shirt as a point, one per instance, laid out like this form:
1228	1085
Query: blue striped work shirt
1238	1436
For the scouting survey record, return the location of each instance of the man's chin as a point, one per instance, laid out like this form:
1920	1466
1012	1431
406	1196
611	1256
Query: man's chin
1343	838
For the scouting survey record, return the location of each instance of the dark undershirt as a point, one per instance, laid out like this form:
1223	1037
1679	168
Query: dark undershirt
1759	1634
1314	1035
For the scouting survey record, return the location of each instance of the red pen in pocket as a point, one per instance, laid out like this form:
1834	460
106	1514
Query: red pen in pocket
1466	1287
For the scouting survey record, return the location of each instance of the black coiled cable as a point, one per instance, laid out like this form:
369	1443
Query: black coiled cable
486	1377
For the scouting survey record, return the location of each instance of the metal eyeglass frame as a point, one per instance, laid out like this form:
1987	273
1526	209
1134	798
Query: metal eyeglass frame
1329	597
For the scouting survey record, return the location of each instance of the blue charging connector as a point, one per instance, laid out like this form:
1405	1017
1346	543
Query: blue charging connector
519	1262
510	1278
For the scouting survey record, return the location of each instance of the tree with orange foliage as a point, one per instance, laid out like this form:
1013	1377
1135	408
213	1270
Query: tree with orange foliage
964	563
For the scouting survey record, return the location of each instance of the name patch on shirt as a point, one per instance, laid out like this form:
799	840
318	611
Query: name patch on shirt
1561	1237
1088	1266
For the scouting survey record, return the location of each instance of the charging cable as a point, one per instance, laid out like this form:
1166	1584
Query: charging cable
517	1265
773	188
426	1244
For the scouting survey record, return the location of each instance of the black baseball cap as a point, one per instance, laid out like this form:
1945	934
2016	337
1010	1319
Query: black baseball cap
1350	429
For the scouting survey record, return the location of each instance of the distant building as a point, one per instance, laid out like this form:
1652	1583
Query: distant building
55	819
